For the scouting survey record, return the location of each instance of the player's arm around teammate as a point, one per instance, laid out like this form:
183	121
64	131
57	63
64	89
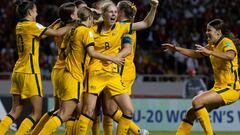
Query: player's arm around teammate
80	41
67	13
109	25
26	80
224	58
126	13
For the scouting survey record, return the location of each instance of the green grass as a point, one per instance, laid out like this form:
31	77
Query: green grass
161	133
173	133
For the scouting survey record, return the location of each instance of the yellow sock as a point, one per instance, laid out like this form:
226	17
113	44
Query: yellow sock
83	125
203	116
69	127
51	125
117	115
25	126
75	127
96	126
123	125
133	127
6	123
41	123
107	125
184	128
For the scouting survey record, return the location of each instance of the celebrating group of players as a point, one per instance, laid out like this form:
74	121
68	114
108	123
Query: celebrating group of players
96	49
95	70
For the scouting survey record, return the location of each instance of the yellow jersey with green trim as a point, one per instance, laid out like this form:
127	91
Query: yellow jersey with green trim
80	38
28	35
108	43
129	70
58	41
225	71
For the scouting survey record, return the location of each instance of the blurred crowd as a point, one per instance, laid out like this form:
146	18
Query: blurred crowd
181	22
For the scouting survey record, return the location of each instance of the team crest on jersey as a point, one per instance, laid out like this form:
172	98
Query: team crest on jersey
228	44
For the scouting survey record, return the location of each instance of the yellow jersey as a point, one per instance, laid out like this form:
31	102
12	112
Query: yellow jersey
28	35
58	41
129	70
108	43
80	38
225	72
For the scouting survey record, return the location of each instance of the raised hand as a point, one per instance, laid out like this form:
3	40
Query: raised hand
154	3
202	49
167	46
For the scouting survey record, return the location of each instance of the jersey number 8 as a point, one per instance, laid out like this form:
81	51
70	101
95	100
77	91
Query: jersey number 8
107	46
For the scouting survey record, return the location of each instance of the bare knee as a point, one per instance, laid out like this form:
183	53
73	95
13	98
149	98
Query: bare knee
88	110
128	111
110	108
197	102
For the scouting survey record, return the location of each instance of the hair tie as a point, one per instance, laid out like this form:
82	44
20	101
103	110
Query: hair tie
133	6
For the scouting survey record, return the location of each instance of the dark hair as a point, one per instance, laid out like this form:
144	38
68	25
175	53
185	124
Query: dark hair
128	8
84	13
219	24
65	11
79	2
23	6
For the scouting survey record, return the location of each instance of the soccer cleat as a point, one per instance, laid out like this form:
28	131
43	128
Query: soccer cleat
144	132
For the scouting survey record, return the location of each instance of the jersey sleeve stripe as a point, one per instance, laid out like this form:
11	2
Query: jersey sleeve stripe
43	32
91	44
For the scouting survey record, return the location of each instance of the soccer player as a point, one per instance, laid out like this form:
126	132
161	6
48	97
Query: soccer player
79	43
102	75
26	80
224	58
68	14
126	13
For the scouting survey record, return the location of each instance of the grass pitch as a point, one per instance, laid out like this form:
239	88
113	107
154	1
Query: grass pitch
157	133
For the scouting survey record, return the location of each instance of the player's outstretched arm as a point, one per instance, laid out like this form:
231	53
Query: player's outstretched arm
148	20
184	51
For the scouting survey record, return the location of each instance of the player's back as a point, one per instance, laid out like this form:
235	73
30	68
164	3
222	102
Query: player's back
28	34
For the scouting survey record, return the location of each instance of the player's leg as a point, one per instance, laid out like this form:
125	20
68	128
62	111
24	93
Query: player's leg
109	107
17	107
124	102
70	96
31	86
97	121
35	115
78	113
86	118
200	102
63	115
